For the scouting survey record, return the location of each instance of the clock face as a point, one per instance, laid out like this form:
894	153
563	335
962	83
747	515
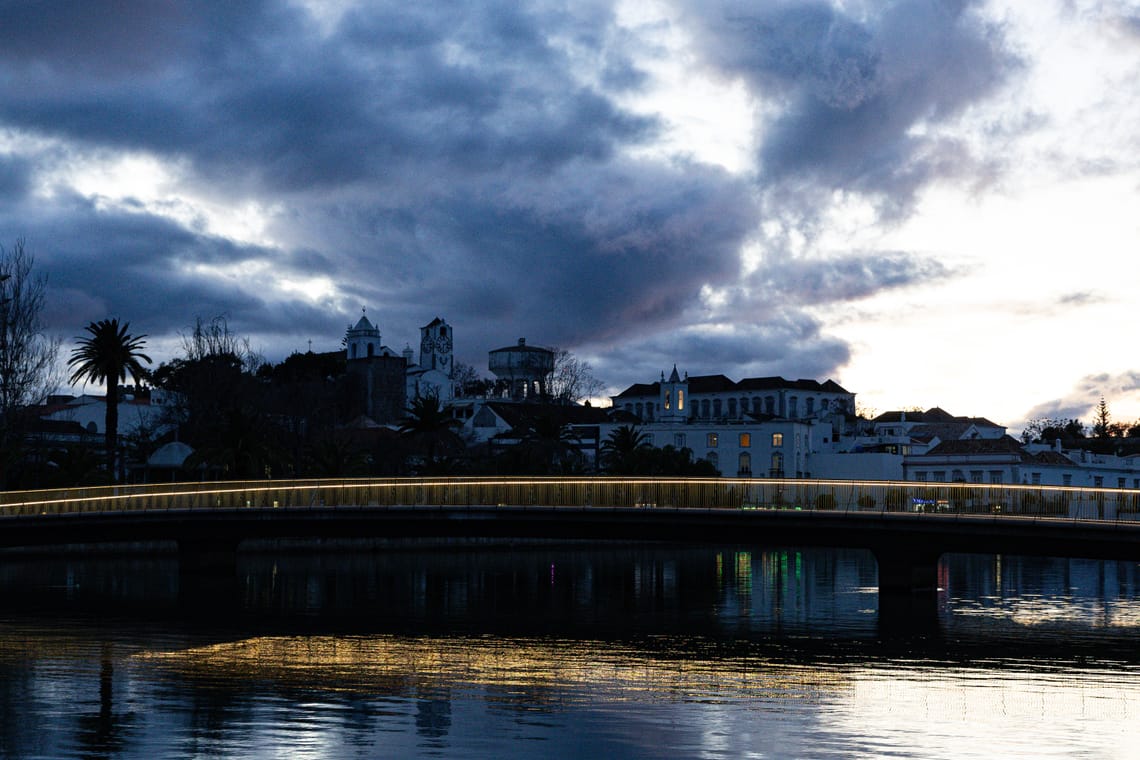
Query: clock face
444	345
427	344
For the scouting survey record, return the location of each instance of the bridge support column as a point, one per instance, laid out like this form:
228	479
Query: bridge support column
207	572
908	589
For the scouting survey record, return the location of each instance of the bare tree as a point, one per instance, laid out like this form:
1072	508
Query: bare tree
212	339
29	370
572	380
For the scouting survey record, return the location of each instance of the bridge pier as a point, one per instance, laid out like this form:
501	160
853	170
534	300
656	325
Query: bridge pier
908	589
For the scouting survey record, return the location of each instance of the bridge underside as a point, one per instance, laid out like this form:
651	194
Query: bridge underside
906	546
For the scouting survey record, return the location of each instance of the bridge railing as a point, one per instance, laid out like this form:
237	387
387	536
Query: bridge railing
601	492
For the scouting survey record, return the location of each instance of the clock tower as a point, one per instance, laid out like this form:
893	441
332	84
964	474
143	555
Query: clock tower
436	346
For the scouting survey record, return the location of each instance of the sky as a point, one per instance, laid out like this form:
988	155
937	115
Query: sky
932	202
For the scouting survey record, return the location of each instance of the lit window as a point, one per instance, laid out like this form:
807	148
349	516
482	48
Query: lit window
668	400
680	400
712	440
745	440
777	439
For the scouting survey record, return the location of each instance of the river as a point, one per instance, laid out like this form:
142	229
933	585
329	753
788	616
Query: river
563	651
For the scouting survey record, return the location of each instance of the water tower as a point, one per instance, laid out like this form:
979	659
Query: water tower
524	367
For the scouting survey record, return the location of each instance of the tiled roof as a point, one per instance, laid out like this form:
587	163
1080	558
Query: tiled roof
972	446
701	384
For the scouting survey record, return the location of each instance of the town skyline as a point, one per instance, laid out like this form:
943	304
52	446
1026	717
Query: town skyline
933	204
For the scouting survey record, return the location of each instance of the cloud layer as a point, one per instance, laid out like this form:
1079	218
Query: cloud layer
479	163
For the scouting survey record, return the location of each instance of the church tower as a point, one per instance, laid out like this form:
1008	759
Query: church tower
374	382
436	346
363	340
674	401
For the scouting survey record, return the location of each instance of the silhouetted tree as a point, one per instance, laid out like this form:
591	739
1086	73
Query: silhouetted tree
429	430
623	449
572	380
1101	420
28	369
109	354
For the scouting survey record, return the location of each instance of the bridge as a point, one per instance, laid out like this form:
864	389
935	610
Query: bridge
907	525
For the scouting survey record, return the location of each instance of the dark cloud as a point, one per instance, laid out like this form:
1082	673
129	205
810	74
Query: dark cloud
790	345
853	89
15	177
843	278
472	162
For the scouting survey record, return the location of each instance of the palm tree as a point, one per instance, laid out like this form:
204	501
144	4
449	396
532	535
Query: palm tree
109	355
621	450
430	429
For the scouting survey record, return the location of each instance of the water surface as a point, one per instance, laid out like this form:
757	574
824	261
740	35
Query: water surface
563	651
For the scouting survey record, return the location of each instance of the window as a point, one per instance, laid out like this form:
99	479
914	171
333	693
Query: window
1067	480
678	440
777	465
680	400
957	477
1098	481
640	409
975	476
793	407
705	408
668	400
777	440
713	459
810	406
770	405
1120	482
1035	478
371	350
716	407
746	440
823	404
745	469
712	440
938	476
732	407
920	476
995	477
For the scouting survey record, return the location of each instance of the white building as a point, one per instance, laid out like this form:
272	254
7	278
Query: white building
716	397
432	375
151	412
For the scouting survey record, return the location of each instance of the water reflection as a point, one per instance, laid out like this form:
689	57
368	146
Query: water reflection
635	651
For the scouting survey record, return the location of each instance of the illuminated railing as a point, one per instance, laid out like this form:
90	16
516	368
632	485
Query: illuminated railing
721	493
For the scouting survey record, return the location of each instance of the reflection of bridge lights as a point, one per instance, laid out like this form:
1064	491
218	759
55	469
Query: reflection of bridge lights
509	670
